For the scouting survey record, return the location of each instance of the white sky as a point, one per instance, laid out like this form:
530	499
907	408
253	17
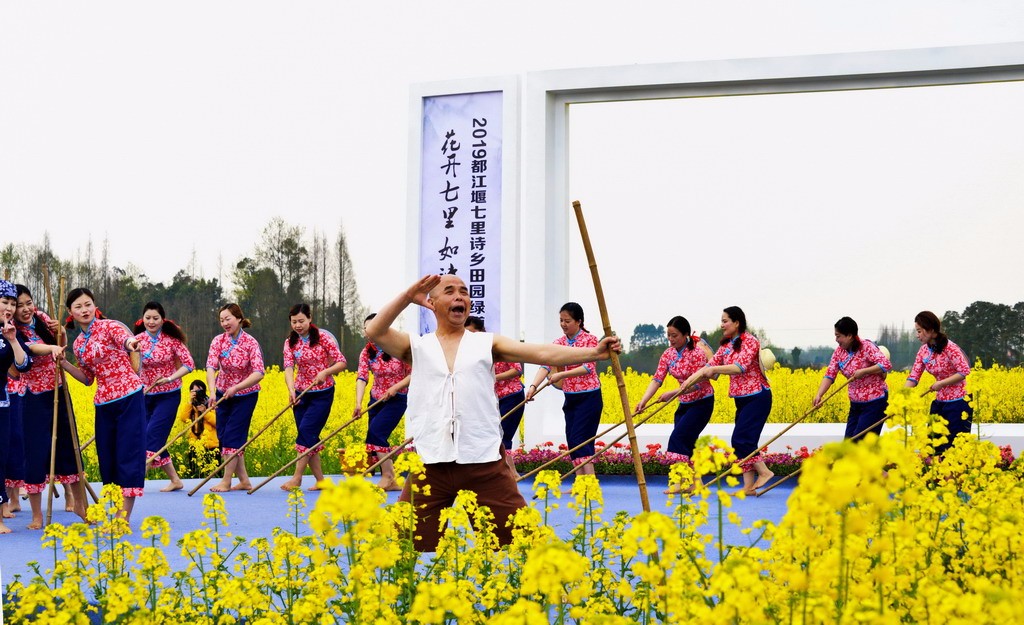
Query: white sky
188	125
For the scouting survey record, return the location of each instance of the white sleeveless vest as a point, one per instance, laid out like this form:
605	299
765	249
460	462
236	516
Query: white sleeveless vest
453	416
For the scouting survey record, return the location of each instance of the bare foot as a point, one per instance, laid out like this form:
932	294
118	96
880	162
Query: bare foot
221	487
675	490
36	524
762	480
4	529
291	484
244	485
8	512
80	511
312	488
388	484
173	486
69	505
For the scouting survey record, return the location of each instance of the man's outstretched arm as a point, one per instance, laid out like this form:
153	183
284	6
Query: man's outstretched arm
379	328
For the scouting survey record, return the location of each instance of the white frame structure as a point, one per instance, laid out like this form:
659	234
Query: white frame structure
546	212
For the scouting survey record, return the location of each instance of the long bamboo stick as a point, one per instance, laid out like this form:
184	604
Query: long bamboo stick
56	408
238	452
638	465
319	443
813	409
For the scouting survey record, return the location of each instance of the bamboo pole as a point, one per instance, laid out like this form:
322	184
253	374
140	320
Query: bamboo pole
309	451
238	452
56	408
175	438
853	438
813	409
638	465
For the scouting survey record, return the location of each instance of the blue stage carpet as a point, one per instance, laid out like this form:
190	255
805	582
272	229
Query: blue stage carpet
254	516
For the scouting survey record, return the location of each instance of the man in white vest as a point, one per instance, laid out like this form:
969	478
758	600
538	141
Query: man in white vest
452	414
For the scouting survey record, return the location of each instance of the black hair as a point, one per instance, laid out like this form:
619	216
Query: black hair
736	314
476	322
575	311
314	332
681	324
848	327
169	328
371	351
930	321
41	329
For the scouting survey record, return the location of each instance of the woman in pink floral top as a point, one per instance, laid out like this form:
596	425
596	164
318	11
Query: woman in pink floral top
102	350
37	384
943	359
234	368
311	360
739	358
508	386
865	366
165	360
390	383
581	385
686	355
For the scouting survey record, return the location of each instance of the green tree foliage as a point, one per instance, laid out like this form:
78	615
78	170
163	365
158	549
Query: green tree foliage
991	332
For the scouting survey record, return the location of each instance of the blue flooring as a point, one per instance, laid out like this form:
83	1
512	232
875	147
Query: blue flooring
254	516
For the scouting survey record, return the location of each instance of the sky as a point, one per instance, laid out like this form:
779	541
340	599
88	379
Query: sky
179	128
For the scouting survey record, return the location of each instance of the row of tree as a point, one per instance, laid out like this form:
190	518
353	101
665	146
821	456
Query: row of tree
287	266
991	333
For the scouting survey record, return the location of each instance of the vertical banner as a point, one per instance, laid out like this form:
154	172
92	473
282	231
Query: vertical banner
460	198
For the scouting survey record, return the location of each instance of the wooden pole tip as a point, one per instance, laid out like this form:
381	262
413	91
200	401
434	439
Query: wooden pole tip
576	204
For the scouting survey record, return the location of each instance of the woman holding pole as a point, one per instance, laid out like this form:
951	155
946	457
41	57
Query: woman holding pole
945	360
581	385
391	383
865	366
165	360
739	358
234	368
686	355
13	352
40	384
102	349
508	386
311	360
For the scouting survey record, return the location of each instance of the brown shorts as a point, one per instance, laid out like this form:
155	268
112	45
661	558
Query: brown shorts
495	487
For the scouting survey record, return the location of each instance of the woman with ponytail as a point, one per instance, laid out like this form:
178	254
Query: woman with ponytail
943	359
581	385
102	350
739	358
165	360
36	419
234	368
865	366
686	355
391	383
312	358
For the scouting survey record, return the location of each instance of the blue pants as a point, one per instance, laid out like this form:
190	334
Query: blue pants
15	467
958	423
864	415
120	441
161	411
233	418
582	418
37	427
311	415
510	424
751	414
384	418
690	420
5	435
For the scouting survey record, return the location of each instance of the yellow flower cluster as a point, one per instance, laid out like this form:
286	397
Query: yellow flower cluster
998	395
877	531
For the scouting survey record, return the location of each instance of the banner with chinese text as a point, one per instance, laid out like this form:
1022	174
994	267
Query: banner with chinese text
460	199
